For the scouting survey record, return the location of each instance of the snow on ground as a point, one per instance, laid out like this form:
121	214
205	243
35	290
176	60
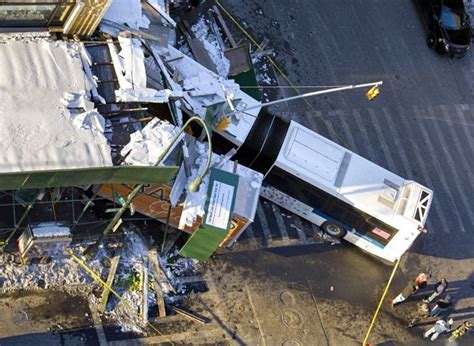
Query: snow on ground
203	33
61	273
129	286
39	135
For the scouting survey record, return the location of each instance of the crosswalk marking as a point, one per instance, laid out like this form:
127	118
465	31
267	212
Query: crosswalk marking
348	135
280	222
408	170
382	140
299	229
420	157
466	159
263	221
454	172
364	135
460	111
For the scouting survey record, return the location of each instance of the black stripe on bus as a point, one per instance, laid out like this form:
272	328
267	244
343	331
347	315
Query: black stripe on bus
263	144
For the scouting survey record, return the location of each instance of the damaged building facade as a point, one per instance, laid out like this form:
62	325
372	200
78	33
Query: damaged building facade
86	124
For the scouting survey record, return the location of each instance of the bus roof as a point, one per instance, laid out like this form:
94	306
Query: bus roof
352	178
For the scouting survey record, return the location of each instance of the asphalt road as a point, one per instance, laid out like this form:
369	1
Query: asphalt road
422	124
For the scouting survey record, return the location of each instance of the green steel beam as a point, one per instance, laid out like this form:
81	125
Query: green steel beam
87	176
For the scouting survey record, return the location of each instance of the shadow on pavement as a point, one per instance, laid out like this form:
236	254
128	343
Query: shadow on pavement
78	336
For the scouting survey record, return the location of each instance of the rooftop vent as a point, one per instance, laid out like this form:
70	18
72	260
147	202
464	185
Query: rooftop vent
388	193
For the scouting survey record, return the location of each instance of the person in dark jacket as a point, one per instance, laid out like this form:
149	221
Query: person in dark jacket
439	289
442	305
410	289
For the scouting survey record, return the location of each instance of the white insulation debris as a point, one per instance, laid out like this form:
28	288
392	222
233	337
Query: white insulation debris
204	34
203	88
147	145
131	73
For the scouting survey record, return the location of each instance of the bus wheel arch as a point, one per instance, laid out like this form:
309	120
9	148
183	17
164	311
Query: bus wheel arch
334	229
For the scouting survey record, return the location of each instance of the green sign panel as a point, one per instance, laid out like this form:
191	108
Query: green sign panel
219	207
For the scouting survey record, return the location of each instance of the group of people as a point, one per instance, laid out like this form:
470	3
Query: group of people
434	305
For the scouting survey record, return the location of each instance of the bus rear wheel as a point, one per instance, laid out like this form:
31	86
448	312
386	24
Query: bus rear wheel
334	229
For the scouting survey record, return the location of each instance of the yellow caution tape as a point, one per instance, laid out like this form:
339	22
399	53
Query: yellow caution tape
106	286
380	303
275	65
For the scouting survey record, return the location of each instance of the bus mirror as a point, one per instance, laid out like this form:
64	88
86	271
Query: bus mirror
422	229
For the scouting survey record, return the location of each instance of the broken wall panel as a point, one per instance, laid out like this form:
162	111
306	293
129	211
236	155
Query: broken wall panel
154	202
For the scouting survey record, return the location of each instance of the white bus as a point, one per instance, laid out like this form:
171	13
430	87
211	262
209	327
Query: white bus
346	195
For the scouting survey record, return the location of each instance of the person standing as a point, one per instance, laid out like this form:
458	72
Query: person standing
442	305
440	327
410	289
439	289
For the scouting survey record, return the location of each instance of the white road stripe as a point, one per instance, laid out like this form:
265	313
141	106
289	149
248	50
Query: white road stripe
348	136
365	136
299	228
408	170
451	166
460	110
421	156
280	222
382	140
263	221
466	159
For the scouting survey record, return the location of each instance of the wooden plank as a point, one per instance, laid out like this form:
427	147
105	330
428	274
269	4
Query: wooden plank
153	9
223	26
110	281
153	257
144	309
197	48
170	241
189	315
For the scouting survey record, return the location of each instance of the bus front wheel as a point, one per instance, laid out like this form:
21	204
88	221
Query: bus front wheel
334	229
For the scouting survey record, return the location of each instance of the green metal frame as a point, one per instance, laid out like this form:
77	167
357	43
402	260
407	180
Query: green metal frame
87	176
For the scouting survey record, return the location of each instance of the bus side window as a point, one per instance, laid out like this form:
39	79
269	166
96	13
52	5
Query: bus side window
343	212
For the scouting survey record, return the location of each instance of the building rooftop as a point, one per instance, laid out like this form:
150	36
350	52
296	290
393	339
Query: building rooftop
40	80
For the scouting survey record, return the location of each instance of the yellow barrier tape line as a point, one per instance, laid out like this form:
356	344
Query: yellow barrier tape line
275	65
106	286
380	303
246	33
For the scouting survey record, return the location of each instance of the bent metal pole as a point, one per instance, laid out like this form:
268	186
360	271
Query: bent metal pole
313	93
91	251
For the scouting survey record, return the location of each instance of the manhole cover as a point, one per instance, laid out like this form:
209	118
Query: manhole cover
287	298
291	342
19	317
291	318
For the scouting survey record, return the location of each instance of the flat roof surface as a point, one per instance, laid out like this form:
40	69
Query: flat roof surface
37	131
335	169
